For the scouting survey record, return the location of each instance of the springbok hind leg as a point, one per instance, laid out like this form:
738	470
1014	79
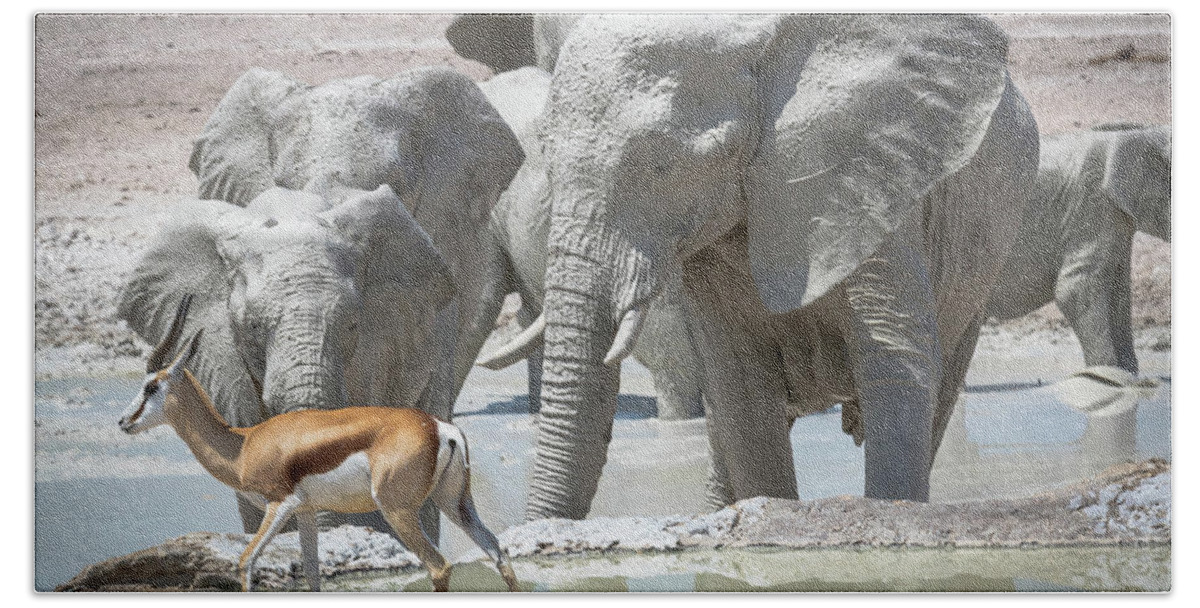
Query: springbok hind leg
407	524
459	508
276	516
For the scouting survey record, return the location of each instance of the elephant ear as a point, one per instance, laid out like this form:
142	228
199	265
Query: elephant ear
398	253
232	156
186	257
1137	178
883	107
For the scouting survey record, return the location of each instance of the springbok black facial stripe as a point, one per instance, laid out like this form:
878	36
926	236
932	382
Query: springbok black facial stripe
138	413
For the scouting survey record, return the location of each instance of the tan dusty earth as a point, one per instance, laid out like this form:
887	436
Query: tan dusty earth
119	99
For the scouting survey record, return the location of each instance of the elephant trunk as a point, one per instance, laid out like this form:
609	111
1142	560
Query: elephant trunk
587	294
305	369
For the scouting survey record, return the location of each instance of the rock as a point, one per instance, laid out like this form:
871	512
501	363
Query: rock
205	561
1129	503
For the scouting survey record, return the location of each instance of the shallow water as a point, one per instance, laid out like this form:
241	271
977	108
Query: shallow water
1145	568
100	493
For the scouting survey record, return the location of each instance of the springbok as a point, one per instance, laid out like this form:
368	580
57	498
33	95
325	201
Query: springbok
349	460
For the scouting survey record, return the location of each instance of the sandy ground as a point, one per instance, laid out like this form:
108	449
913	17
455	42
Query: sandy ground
119	99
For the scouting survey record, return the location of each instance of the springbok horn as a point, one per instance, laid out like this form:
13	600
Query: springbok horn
519	347
162	352
627	335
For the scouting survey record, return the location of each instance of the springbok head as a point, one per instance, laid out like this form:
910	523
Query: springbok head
146	411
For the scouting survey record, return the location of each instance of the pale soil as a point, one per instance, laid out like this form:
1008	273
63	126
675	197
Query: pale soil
119	98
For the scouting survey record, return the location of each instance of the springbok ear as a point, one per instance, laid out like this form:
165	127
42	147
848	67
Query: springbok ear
1137	178
232	156
884	107
186	257
396	251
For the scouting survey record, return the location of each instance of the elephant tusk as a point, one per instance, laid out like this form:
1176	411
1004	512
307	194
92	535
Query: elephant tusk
627	335
519	347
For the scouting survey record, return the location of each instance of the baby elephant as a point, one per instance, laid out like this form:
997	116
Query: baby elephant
350	460
1094	190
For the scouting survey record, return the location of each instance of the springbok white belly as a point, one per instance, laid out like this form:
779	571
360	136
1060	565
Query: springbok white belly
346	489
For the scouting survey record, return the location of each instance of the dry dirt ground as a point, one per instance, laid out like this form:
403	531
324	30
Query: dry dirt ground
119	99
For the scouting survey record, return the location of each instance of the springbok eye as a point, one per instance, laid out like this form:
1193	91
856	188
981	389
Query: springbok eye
151	389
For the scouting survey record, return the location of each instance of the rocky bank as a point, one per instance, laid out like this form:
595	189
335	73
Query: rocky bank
1128	505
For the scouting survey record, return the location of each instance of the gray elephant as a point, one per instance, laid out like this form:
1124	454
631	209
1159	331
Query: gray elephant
521	222
1094	190
505	42
307	299
838	193
428	133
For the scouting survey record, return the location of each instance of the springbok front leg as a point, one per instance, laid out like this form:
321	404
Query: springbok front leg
307	520
276	516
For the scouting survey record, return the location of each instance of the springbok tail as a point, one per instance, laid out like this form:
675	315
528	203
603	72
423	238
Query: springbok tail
452	447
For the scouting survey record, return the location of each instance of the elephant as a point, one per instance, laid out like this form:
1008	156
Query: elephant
1094	189
505	42
836	191
428	133
316	298
521	221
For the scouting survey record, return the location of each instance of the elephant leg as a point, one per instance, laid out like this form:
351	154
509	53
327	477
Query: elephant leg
719	493
679	393
1093	292
747	415
954	373
893	342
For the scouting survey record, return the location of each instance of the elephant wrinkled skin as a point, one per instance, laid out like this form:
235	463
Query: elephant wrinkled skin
521	222
838	193
1094	190
428	133
307	300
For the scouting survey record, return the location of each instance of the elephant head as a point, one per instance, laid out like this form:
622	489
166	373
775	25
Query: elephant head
815	135
506	42
294	294
1137	175
428	133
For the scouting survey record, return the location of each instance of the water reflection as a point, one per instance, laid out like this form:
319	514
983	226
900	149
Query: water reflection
1002	442
1010	443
